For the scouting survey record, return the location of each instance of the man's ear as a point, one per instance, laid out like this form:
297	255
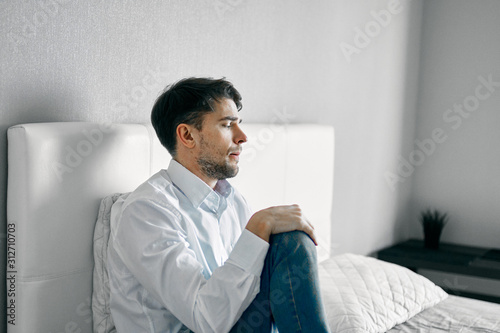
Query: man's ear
186	136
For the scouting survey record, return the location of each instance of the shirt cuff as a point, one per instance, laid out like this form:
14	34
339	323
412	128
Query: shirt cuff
249	253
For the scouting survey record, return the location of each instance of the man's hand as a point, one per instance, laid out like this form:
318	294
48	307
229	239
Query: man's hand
275	220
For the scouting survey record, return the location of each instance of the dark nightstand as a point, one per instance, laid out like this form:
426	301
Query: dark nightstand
449	258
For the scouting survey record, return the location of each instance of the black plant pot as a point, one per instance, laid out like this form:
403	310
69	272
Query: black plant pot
431	237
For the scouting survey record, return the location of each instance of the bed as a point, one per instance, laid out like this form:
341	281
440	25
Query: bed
63	178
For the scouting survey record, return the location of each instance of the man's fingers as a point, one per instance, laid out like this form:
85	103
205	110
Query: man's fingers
310	231
288	218
313	237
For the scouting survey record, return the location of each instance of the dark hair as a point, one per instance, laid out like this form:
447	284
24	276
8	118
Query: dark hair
186	102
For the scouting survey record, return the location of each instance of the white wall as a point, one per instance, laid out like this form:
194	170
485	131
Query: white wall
461	175
66	60
373	93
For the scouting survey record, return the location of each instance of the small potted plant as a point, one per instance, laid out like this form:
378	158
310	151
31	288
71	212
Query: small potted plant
433	222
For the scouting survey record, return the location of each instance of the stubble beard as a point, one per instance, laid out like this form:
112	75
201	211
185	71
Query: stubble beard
215	169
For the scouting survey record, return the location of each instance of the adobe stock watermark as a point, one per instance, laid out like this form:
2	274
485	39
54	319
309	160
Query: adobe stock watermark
297	275
223	6
363	37
323	249
454	287
152	81
266	135
75	155
453	117
31	24
82	310
480	323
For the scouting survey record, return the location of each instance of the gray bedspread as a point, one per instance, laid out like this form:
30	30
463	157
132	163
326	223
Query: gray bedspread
455	314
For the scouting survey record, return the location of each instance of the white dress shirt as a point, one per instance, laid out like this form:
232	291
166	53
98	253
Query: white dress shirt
180	257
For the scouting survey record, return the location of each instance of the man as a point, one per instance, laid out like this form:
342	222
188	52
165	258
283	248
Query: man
185	251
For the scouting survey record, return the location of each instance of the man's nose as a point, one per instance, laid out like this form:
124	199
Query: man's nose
240	136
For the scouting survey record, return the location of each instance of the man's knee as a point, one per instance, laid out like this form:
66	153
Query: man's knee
294	255
294	243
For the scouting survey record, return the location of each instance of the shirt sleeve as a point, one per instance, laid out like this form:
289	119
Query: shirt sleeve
151	241
249	253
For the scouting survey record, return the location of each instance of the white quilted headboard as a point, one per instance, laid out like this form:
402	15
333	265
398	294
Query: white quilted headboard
59	172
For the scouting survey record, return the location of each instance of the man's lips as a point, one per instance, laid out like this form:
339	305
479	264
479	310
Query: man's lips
235	154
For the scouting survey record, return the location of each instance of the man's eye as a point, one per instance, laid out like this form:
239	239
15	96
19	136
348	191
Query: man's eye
228	125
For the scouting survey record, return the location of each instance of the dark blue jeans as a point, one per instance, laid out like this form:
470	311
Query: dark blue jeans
289	297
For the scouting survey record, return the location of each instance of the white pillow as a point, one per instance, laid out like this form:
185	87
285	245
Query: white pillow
363	294
101	313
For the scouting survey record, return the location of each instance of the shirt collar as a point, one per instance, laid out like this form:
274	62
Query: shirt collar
195	189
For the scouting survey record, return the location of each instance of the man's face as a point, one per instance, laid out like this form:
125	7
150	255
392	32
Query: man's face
220	141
